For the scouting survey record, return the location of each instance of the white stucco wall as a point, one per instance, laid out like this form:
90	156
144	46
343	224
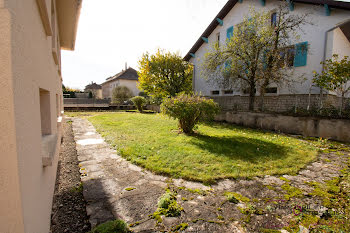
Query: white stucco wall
315	35
32	67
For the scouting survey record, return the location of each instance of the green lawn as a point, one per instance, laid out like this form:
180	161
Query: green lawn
217	150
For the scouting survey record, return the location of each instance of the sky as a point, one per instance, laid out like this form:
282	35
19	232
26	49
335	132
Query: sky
114	32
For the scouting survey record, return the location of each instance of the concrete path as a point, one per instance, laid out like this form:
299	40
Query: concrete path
115	188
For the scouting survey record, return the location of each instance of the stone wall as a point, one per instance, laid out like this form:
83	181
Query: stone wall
336	129
278	103
152	107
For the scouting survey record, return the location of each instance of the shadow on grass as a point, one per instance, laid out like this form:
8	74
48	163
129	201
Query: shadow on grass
238	147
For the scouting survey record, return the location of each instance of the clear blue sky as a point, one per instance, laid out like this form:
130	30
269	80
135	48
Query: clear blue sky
112	32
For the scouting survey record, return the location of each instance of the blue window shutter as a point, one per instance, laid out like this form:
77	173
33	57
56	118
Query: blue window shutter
300	57
229	32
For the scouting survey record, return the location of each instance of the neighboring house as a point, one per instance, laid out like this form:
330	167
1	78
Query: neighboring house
32	34
128	78
95	89
329	34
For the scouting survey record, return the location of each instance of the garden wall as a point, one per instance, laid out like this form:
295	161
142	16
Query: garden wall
336	129
155	108
277	103
85	103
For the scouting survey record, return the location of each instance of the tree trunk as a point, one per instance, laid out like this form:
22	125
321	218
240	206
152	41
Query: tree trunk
251	97
262	94
341	103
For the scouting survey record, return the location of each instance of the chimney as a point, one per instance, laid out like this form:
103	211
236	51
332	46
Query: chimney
126	65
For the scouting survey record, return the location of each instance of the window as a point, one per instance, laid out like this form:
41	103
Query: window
271	90
247	90
274	19
228	92
229	32
215	92
218	38
301	54
286	58
45	112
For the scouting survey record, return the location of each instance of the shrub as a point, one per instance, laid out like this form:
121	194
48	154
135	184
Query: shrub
121	94
139	102
111	227
167	206
189	110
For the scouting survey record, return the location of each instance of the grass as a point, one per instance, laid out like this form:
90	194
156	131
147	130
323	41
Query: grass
111	227
215	152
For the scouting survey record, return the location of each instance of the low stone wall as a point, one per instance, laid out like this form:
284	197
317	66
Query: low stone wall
335	129
277	103
155	108
85	103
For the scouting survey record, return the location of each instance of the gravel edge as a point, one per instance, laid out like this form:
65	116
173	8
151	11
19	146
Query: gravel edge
69	207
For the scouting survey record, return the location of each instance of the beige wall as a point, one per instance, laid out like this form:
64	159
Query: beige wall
29	52
11	219
107	88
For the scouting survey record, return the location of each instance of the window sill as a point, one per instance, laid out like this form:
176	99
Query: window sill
50	144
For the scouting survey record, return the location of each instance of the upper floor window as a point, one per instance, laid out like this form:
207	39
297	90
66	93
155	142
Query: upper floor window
218	38
229	32
295	55
287	55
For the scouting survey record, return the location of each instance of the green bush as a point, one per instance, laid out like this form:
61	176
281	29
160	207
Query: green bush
167	206
111	227
189	110
139	102
121	94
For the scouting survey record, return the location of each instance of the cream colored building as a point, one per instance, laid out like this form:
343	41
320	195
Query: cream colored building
127	77
32	33
328	34
95	89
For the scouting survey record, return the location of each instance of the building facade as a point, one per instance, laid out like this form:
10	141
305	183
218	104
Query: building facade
328	34
127	77
95	89
32	35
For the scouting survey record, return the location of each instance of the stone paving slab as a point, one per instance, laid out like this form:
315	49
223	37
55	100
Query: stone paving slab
106	176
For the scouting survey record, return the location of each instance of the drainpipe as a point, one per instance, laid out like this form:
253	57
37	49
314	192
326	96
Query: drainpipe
323	60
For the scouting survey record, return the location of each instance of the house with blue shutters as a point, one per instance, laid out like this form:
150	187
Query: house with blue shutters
328	34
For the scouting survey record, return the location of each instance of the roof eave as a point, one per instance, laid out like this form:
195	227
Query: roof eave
68	12
231	3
